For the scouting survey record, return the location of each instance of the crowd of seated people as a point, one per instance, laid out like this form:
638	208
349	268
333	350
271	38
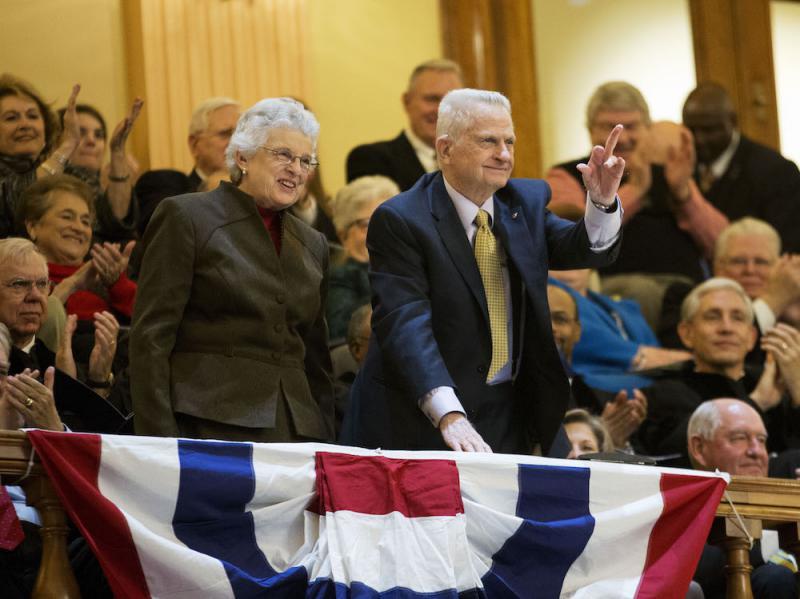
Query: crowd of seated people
645	346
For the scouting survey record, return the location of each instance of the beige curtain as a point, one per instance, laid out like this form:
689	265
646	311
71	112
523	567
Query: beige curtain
180	52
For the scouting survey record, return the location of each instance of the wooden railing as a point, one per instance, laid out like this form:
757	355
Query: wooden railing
770	503
55	579
759	502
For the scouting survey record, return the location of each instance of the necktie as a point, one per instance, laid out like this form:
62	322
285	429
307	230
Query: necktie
707	179
488	259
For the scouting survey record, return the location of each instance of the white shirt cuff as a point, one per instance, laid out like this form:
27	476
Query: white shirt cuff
602	227
765	317
438	402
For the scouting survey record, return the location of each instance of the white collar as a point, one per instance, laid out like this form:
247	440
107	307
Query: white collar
417	143
27	348
720	165
467	210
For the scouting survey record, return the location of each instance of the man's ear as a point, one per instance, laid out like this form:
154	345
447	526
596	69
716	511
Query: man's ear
685	333
406	98
444	146
696	447
192	143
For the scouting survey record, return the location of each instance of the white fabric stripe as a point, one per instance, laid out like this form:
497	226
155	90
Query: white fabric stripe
625	504
426	554
285	484
141	475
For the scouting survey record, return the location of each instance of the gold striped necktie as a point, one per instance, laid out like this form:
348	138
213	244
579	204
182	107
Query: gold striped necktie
488	258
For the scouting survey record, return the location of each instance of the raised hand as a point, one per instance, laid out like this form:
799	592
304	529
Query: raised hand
782	342
679	167
71	134
120	135
603	173
622	416
34	400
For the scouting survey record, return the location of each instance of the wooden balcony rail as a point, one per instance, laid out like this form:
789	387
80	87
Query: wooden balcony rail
770	503
55	579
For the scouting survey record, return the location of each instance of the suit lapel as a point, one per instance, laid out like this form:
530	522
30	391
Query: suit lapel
458	246
510	225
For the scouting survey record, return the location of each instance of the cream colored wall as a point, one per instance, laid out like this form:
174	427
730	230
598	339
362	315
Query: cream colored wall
55	43
786	50
583	43
362	52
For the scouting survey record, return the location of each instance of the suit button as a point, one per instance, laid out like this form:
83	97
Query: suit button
481	369
280	298
278	327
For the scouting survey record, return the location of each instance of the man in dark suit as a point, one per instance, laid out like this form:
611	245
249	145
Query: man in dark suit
210	130
737	175
411	154
462	354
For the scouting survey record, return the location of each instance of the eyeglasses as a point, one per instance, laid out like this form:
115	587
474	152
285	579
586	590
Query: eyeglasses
742	261
25	286
285	157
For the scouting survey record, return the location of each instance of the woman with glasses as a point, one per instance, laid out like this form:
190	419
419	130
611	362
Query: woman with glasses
229	339
349	284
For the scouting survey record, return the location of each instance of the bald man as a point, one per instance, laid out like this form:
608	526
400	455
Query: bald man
729	435
737	175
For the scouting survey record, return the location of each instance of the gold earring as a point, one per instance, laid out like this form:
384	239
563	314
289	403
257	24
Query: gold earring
244	171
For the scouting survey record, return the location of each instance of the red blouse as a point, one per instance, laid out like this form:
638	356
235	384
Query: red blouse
119	300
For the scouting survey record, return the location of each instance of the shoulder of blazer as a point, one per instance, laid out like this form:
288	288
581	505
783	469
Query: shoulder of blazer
534	193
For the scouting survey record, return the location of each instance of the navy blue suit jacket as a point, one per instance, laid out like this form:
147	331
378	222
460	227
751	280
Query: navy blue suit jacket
431	325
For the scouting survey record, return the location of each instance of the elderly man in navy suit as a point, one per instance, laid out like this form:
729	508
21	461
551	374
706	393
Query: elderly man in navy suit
463	355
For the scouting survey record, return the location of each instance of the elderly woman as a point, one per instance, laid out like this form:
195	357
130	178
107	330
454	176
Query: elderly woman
28	148
229	339
349	284
57	213
112	185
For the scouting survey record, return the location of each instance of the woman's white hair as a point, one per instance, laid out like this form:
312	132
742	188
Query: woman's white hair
691	304
255	124
460	107
356	194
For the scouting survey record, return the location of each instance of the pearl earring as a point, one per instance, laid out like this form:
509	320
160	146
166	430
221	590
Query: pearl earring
244	171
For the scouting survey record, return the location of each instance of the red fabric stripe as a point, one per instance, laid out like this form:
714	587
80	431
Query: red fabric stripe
72	461
11	533
378	485
678	536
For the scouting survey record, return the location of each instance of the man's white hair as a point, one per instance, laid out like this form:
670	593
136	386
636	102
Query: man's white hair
692	302
254	127
460	107
199	121
705	421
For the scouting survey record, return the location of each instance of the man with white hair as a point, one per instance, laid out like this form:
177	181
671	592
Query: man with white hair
411	154
729	435
213	122
717	327
463	354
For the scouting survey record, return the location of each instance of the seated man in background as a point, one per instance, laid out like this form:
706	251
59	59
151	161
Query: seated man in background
411	154
210	129
717	326
738	176
620	415
749	252
616	339
729	435
669	228
23	309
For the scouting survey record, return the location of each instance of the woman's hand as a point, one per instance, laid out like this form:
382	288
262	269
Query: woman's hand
109	262
106	329
71	133
34	400
83	278
123	129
